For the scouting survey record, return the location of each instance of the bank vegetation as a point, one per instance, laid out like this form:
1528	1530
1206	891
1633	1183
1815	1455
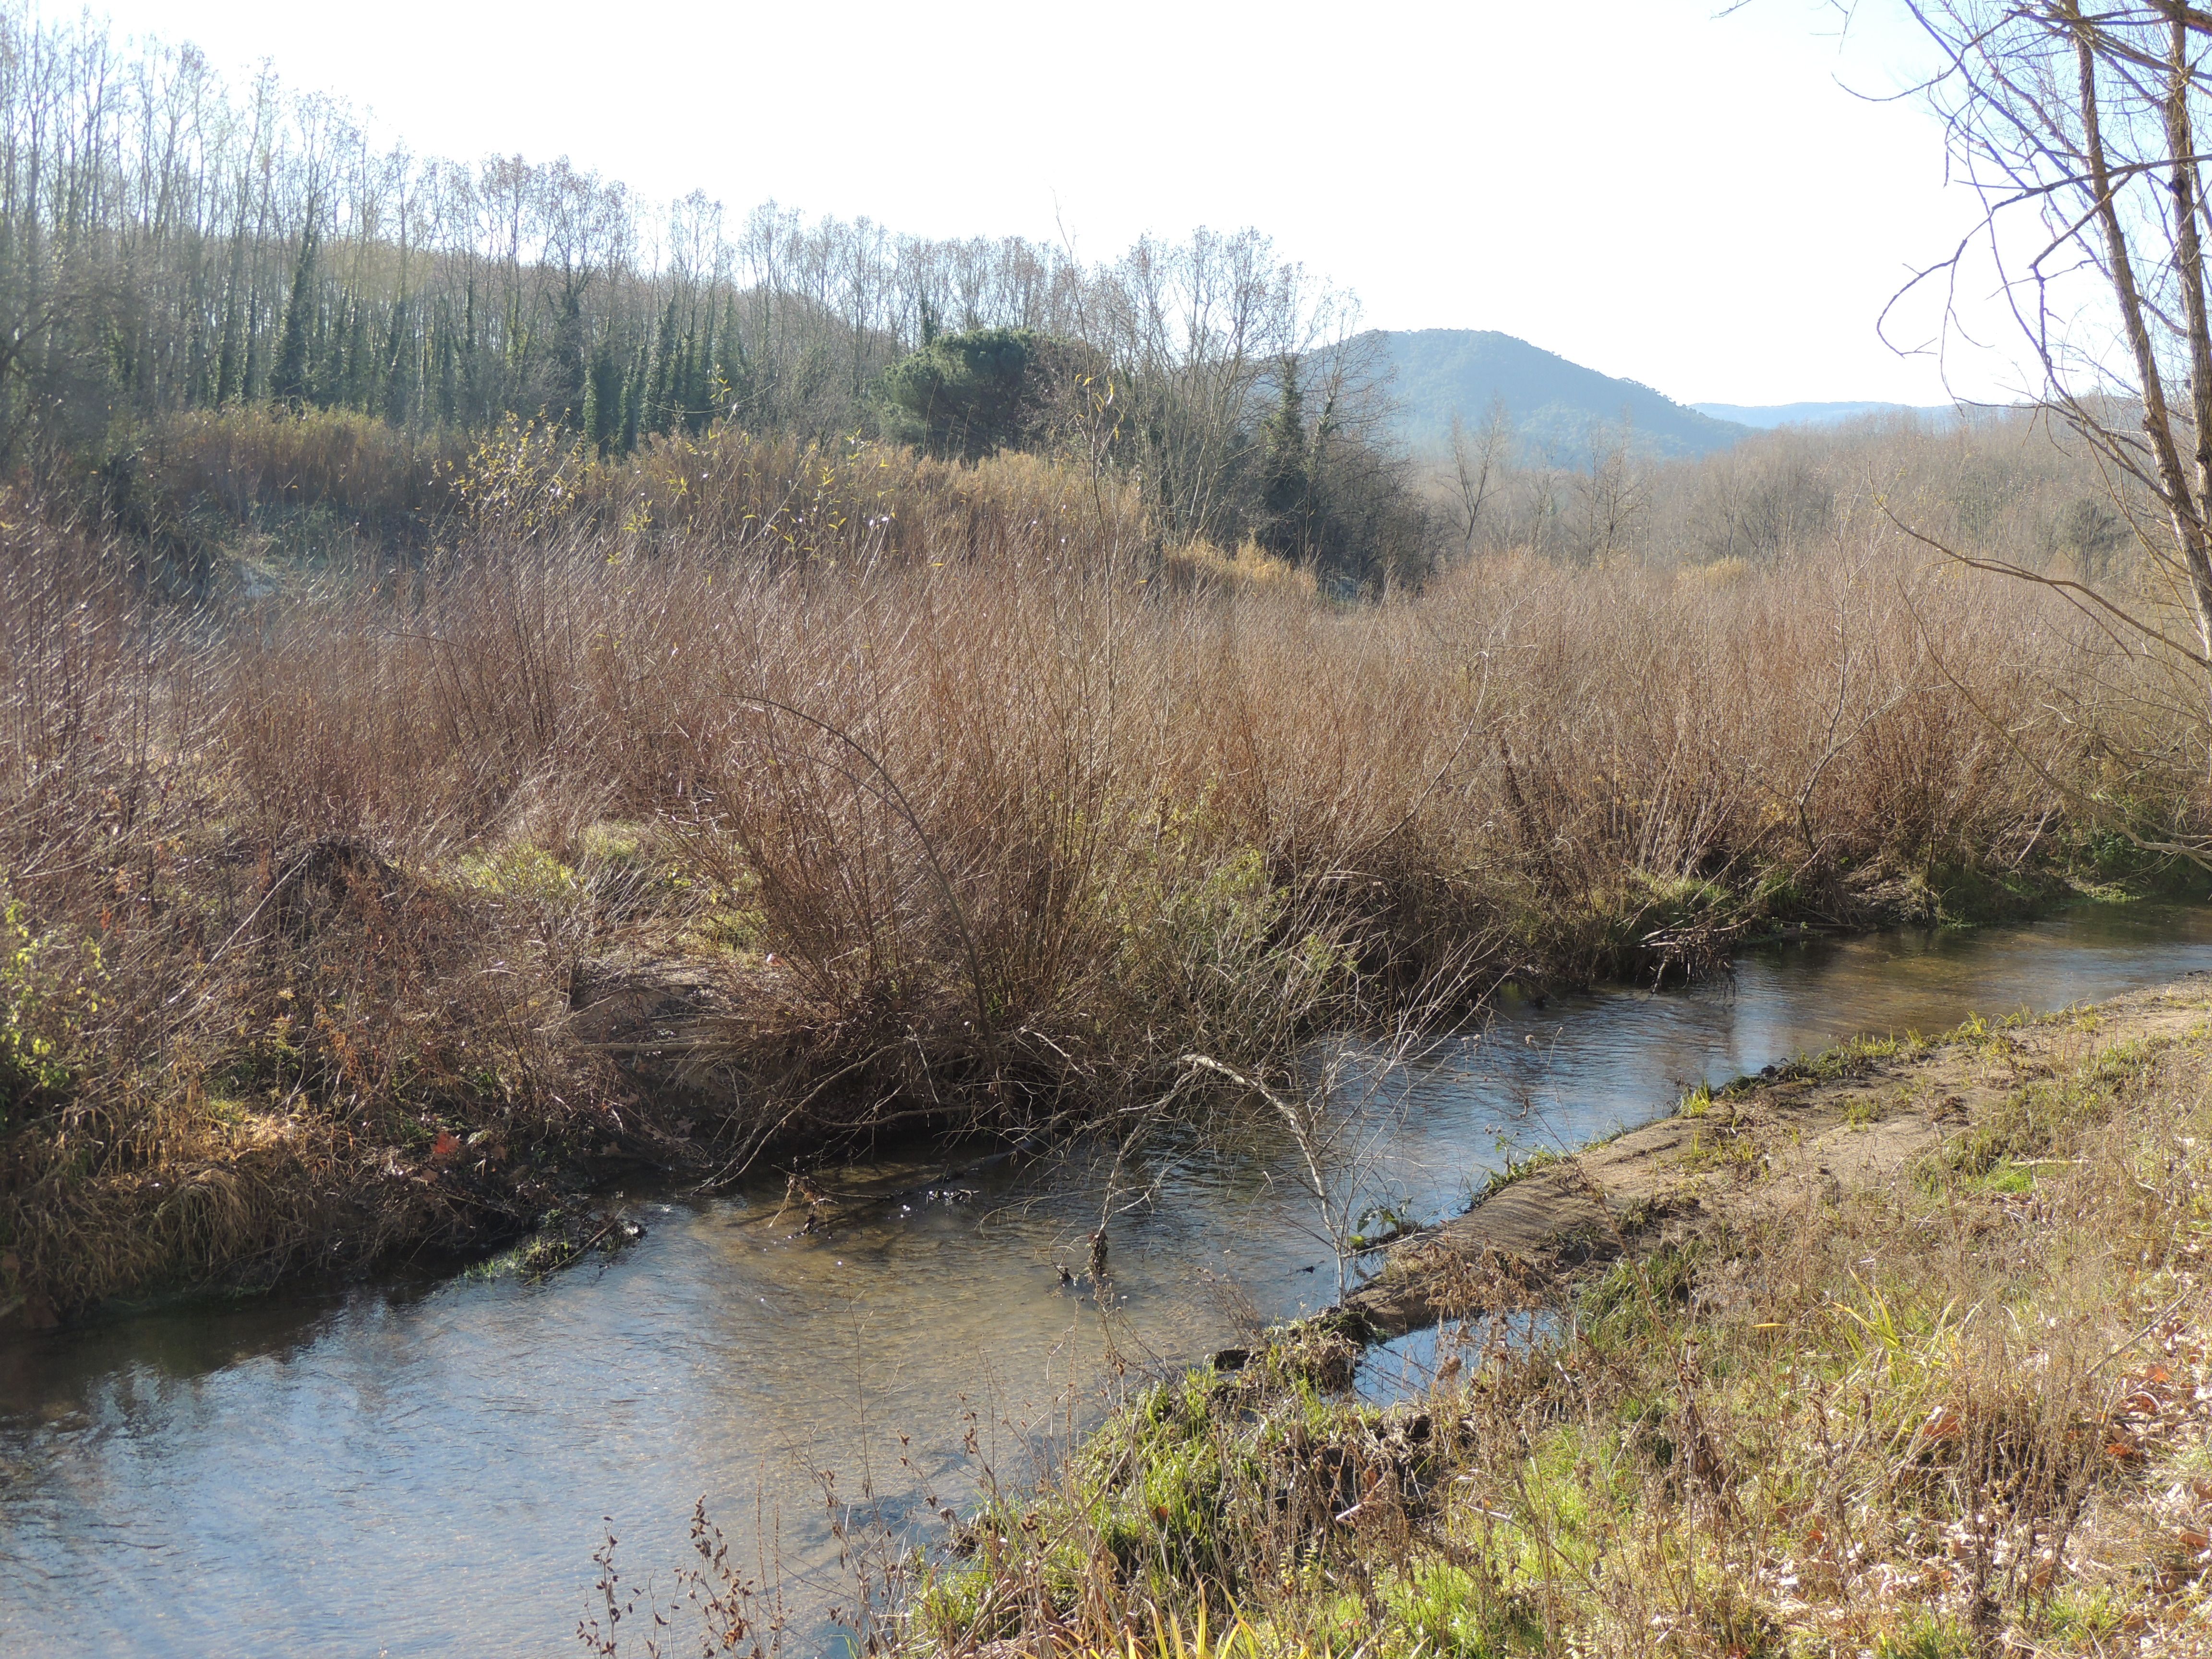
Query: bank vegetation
502	689
745	798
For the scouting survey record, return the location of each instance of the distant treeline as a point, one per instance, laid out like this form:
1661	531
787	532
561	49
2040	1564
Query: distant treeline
1999	484
169	242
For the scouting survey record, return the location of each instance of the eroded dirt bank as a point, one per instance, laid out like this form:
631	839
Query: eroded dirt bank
1856	1115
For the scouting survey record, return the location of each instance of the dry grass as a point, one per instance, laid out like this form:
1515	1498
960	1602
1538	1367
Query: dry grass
1204	568
901	794
223	1054
269	494
1925	1419
263	454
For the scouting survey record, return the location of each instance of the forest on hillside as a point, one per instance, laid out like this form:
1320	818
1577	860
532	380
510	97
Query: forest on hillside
172	243
184	259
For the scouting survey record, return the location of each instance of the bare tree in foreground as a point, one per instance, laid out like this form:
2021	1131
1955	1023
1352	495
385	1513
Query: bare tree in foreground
2078	129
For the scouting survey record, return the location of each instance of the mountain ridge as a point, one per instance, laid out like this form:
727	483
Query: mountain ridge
1766	416
1559	408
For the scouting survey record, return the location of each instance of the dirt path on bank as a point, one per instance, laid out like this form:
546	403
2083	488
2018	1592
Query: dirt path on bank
1860	1116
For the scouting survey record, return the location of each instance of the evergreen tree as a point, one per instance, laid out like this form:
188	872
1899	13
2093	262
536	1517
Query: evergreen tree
324	338
705	394
469	404
289	380
736	368
966	395
227	355
690	399
603	394
634	395
1286	470
660	396
569	386
199	369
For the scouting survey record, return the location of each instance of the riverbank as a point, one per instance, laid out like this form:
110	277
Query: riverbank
377	1065
1900	1350
384	913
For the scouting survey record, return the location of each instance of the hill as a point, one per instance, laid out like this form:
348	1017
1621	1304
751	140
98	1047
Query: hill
1554	404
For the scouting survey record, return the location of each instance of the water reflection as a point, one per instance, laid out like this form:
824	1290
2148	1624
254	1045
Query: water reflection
425	1468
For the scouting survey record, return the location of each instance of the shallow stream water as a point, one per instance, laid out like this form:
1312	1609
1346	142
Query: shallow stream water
427	1467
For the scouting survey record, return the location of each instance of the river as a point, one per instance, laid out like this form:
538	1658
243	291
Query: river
425	1466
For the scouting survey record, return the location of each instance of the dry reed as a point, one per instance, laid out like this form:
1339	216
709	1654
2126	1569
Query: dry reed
909	793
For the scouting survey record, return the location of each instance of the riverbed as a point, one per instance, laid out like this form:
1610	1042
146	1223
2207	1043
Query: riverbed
425	1466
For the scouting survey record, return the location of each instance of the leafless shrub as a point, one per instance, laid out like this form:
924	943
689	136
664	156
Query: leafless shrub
950	837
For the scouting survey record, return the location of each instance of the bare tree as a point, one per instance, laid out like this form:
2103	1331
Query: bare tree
1478	466
1610	491
167	243
2081	132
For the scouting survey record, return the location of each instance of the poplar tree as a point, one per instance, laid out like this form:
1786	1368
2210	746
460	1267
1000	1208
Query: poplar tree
356	378
445	363
249	384
469	401
398	381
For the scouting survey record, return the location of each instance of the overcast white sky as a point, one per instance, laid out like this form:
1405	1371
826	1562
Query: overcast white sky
1695	201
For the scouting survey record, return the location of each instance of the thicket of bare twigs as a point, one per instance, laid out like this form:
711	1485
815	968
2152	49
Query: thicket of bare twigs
889	792
2013	484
